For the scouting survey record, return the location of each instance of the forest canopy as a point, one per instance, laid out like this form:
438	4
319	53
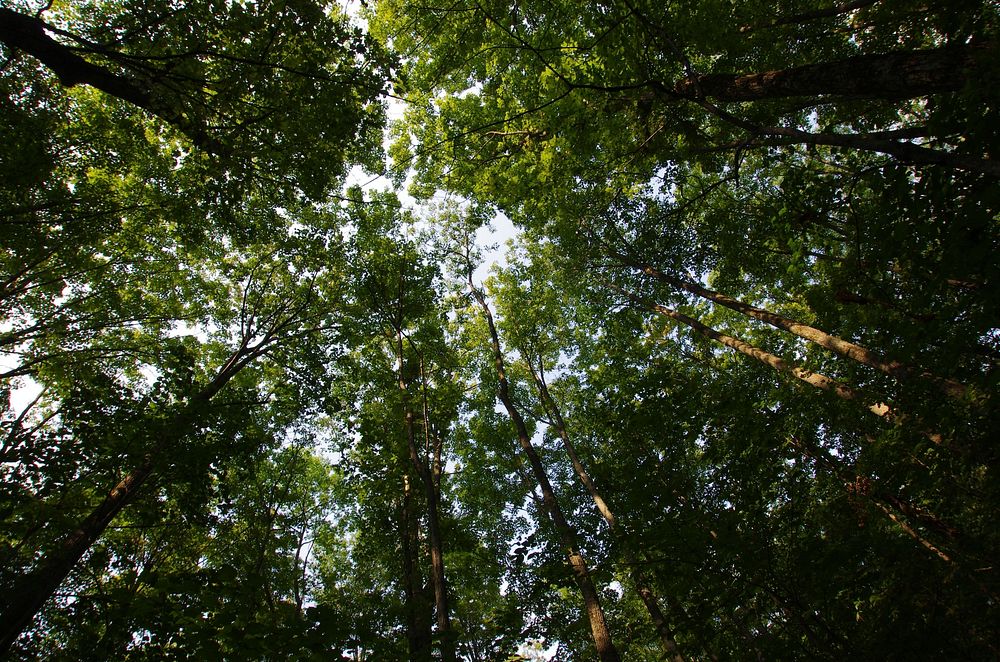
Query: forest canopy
731	392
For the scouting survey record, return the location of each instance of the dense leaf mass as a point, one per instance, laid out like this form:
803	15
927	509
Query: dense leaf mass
731	393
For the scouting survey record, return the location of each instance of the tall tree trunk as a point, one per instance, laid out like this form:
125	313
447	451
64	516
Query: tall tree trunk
814	379
418	619
893	76
883	501
845	348
432	484
606	650
31	591
431	492
639	581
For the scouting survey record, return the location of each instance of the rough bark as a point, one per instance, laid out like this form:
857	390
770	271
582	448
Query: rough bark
606	650
893	76
639	581
845	348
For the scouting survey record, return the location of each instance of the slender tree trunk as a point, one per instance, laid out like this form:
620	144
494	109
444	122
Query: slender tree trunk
606	650
31	591
636	575
883	500
898	75
814	379
432	484
828	341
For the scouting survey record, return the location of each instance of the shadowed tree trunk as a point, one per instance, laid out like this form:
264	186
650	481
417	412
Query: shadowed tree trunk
31	591
431	484
28	34
418	617
899	75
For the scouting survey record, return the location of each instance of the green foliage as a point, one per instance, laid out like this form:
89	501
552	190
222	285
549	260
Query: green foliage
710	297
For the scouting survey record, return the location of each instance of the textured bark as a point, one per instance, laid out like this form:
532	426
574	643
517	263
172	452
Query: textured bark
639	581
606	650
899	75
845	348
28	34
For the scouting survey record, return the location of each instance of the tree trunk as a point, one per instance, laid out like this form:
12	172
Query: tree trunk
635	574
606	650
418	619
835	344
30	592
432	484
814	379
893	76
28	34
883	500
431	493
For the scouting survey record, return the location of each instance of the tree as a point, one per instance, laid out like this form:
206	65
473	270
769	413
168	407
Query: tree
223	85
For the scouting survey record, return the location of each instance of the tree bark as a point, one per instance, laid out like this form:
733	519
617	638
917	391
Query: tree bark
606	650
893	76
432	484
28	34
30	592
418	620
845	348
431	493
814	379
642	587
